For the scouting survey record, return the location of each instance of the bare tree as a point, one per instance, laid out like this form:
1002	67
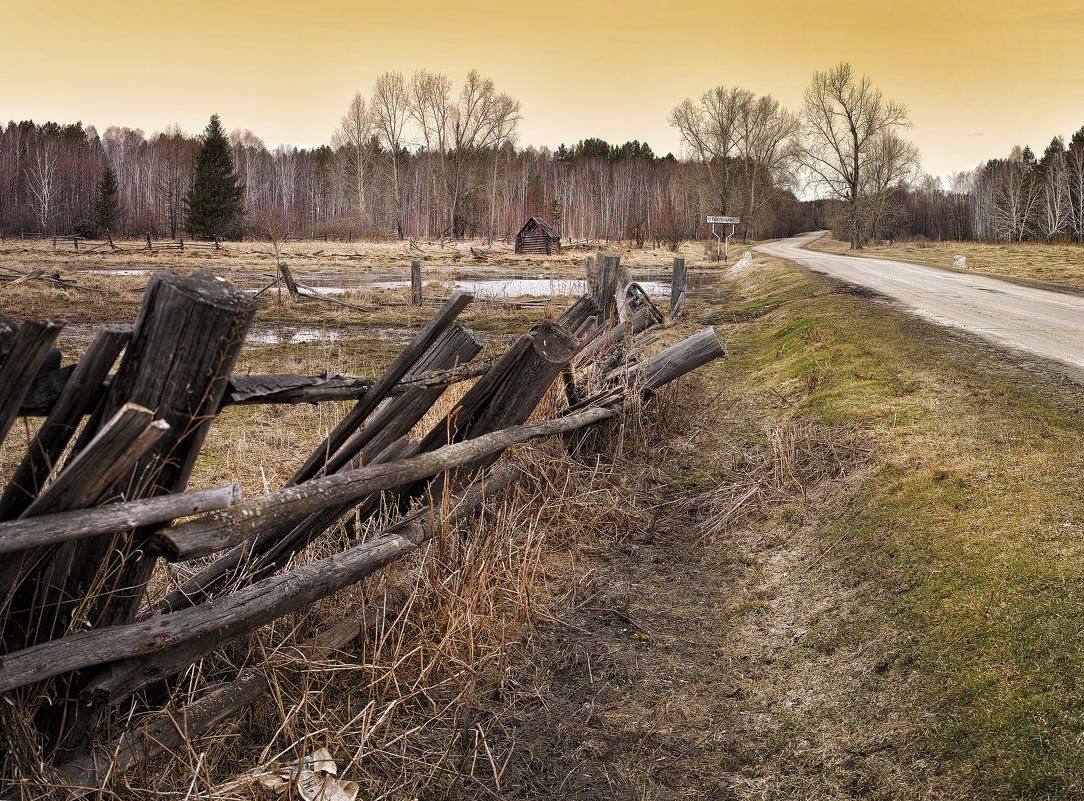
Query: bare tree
893	164
391	109
846	118
459	132
1055	212
506	119
712	130
42	181
354	137
430	108
768	144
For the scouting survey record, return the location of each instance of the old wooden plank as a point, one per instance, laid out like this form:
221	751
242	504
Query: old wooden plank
677	288
288	277
675	361
28	351
78	397
416	283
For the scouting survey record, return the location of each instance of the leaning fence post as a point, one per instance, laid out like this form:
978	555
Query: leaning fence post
415	283
677	288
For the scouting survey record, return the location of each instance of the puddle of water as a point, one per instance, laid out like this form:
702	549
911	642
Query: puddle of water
292	336
133	272
533	287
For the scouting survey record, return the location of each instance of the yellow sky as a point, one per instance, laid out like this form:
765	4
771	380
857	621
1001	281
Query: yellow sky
978	75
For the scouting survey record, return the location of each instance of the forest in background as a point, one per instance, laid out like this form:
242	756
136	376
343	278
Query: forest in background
421	157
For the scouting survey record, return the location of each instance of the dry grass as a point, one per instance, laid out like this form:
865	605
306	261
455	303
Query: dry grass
305	255
1045	264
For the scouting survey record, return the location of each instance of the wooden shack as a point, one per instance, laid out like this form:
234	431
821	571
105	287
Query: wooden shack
537	236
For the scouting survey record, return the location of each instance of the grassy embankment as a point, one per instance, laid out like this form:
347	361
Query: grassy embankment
1059	266
959	562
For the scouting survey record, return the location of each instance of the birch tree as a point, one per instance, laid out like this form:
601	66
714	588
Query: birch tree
354	137
390	110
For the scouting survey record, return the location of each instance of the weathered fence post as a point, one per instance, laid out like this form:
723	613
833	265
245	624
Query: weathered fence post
609	267
677	288
28	351
415	283
183	347
590	275
288	277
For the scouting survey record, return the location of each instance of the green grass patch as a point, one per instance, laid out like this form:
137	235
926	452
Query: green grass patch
967	543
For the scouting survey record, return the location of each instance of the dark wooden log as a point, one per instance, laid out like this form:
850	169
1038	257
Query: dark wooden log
78	397
416	283
406	359
675	361
21	364
590	276
94	470
677	288
226	617
44	391
171	729
288	277
578	313
28	277
186	338
50	529
287	388
272	546
609	266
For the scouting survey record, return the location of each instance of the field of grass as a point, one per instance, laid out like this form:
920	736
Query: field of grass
309	255
1052	265
846	561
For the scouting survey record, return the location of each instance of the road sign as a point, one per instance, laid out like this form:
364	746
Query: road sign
725	220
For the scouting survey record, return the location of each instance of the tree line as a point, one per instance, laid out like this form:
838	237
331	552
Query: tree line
422	156
418	156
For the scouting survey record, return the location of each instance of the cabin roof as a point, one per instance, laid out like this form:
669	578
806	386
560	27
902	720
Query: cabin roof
538	222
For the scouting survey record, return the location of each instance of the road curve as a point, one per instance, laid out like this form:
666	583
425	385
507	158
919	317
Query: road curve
1046	324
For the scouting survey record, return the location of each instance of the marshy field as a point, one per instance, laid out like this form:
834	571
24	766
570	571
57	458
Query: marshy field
845	561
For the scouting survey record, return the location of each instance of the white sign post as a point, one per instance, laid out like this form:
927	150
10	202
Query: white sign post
724	244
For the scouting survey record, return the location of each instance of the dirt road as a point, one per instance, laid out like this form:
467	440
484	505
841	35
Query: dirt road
1033	321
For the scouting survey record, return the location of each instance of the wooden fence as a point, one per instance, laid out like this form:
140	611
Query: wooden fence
78	544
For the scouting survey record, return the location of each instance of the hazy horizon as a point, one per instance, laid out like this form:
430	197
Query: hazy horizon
978	79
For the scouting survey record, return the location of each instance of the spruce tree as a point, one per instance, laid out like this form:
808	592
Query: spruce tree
213	206
107	205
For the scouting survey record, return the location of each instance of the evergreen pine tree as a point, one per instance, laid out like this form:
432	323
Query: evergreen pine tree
213	205
107	205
